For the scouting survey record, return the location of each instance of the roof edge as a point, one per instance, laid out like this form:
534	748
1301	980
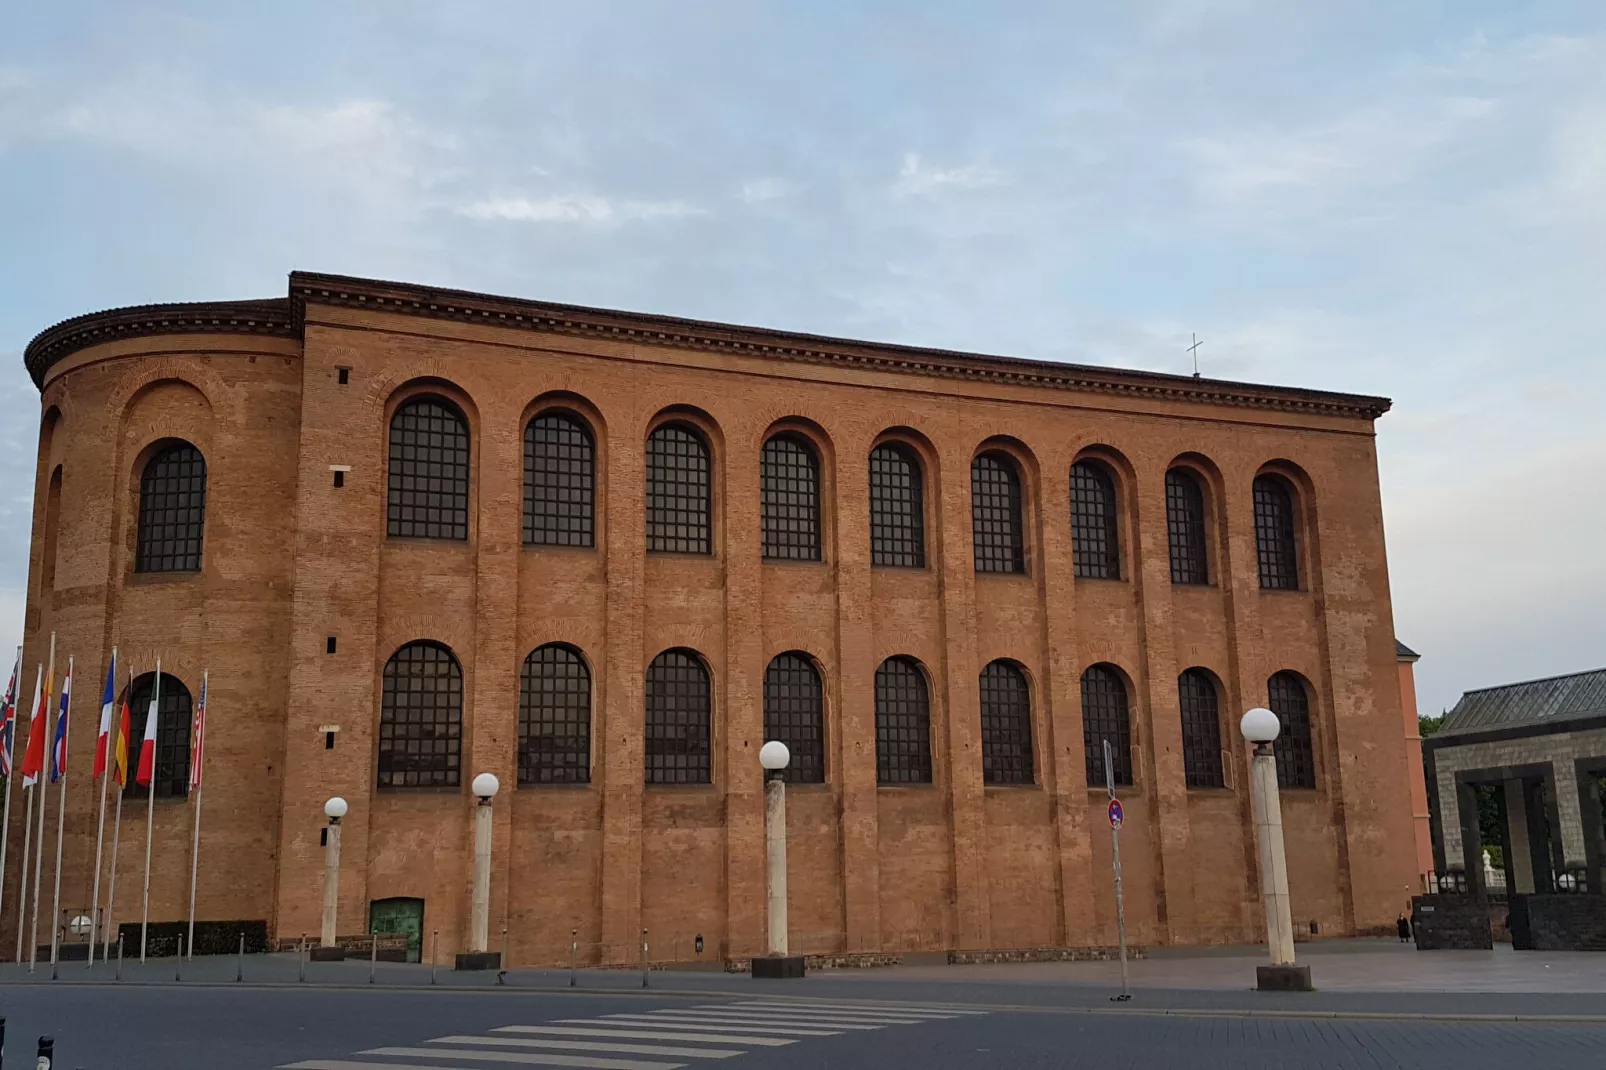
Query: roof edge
271	316
645	328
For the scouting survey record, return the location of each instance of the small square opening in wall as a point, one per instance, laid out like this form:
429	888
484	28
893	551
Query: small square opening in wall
329	645
323	836
328	741
345	375
340	479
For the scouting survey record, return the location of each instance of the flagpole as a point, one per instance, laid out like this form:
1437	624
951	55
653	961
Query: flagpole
117	822
11	774
22	889
150	811
199	746
44	804
61	813
100	825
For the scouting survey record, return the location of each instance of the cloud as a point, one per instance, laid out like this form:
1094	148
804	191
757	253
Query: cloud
916	179
764	189
576	208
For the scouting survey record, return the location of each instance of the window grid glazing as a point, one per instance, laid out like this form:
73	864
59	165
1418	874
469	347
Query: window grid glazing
995	514
172	511
794	714
1185	527
428	479
1274	534
554	717
677	491
173	721
1095	539
1105	715
789	507
560	482
902	724
421	719
1290	701
897	509
1006	725
1201	730
678	716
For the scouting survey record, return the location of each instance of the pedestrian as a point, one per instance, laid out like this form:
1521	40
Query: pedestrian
1404	928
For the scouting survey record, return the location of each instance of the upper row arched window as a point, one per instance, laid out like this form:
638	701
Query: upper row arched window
172	511
429	481
171	764
429	471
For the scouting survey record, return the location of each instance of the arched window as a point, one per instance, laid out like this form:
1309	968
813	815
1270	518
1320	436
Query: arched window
1105	716
52	534
794	714
995	514
555	717
678	719
172	758
1006	725
1095	539
172	511
897	508
1274	533
1185	527
560	482
789	507
1201	729
678	491
1288	698
428	471
902	723
421	718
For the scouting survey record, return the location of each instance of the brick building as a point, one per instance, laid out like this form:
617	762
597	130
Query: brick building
415	535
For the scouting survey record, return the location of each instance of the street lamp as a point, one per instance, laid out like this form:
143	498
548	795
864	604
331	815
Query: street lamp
778	962
485	787
1260	727
328	949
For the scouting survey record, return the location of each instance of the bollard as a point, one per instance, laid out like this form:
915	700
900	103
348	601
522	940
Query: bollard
373	954
239	963
119	976
574	953
178	964
301	959
2	1038
501	973
644	958
434	946
47	1053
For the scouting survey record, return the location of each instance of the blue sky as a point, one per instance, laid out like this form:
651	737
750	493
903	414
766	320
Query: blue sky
1397	198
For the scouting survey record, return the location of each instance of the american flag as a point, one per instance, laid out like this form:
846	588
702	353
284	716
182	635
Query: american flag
198	738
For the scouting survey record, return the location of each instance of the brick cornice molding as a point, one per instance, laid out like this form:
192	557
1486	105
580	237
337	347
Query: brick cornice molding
270	316
287	318
644	329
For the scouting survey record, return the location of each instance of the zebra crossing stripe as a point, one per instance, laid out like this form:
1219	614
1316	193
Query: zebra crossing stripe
526	1058
643	1020
803	1017
593	1045
634	1033
869	1008
757	1020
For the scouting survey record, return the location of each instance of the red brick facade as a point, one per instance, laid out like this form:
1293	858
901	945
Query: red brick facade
290	560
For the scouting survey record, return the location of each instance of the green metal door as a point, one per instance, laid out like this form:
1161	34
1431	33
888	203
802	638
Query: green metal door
400	915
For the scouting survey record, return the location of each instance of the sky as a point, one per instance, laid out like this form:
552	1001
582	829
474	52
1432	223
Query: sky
1400	198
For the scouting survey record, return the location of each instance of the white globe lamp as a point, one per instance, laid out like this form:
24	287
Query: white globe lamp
486	785
1260	725
774	756
335	808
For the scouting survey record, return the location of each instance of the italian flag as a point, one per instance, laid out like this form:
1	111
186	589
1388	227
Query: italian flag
147	748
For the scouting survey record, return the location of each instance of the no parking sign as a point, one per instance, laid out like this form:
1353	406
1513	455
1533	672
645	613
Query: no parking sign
1117	815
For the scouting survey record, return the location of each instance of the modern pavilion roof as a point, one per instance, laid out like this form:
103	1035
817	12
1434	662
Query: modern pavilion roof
1532	702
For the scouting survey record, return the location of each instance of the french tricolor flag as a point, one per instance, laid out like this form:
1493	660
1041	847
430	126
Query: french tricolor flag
108	709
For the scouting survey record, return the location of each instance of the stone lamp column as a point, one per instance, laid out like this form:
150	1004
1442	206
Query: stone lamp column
778	962
1260	727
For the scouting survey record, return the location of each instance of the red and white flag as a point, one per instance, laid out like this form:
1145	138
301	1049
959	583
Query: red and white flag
198	740
33	759
147	748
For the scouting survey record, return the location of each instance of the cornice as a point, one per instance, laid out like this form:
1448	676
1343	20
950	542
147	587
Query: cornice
270	316
307	288
282	317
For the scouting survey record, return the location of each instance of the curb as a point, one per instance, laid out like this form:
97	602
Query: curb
804	1001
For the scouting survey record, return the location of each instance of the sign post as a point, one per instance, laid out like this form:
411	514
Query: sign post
1117	815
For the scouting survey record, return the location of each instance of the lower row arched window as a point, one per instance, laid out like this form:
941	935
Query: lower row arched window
1289	699
679	708
902	723
1201	729
794	714
421	718
1106	716
1006	725
172	755
554	717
